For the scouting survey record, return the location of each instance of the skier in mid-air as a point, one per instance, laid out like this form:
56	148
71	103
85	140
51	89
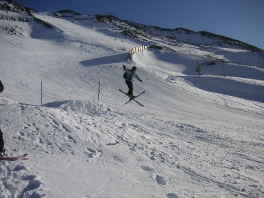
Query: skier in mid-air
128	76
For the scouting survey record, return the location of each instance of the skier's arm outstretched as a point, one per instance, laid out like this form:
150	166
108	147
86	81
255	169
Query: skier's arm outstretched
125	69
136	76
132	74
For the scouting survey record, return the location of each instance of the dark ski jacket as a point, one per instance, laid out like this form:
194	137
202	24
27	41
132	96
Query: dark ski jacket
1	87
1	142
129	75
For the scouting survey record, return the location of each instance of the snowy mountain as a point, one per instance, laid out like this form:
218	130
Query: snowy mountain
177	35
196	136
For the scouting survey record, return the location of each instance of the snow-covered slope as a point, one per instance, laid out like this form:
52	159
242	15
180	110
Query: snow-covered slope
196	136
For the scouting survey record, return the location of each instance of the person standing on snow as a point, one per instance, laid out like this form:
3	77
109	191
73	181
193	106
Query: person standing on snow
2	145
128	76
1	87
2	148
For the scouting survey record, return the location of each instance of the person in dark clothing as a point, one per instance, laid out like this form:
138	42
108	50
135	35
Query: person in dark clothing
128	76
1	87
2	145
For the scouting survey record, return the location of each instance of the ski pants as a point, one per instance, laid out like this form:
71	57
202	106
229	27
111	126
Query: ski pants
1	142
130	87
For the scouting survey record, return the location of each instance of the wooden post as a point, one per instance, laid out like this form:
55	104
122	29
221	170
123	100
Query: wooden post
223	64
41	93
98	90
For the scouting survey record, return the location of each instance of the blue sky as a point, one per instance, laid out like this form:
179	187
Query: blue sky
238	19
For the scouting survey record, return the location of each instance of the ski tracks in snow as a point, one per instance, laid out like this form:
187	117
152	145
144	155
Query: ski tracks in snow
188	153
192	156
148	150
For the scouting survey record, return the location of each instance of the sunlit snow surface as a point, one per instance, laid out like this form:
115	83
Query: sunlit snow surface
196	136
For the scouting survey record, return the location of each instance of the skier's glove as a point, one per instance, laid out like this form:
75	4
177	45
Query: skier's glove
124	66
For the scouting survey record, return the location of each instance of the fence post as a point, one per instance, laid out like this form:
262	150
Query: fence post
223	64
41	93
98	90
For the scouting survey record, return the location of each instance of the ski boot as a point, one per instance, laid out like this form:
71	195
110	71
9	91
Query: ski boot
3	153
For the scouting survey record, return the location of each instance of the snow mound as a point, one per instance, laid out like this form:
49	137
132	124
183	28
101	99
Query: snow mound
80	106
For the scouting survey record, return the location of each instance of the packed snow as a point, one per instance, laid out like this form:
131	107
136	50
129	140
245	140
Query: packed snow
196	136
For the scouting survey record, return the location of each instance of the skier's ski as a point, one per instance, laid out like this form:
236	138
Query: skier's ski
135	101
133	98
22	157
